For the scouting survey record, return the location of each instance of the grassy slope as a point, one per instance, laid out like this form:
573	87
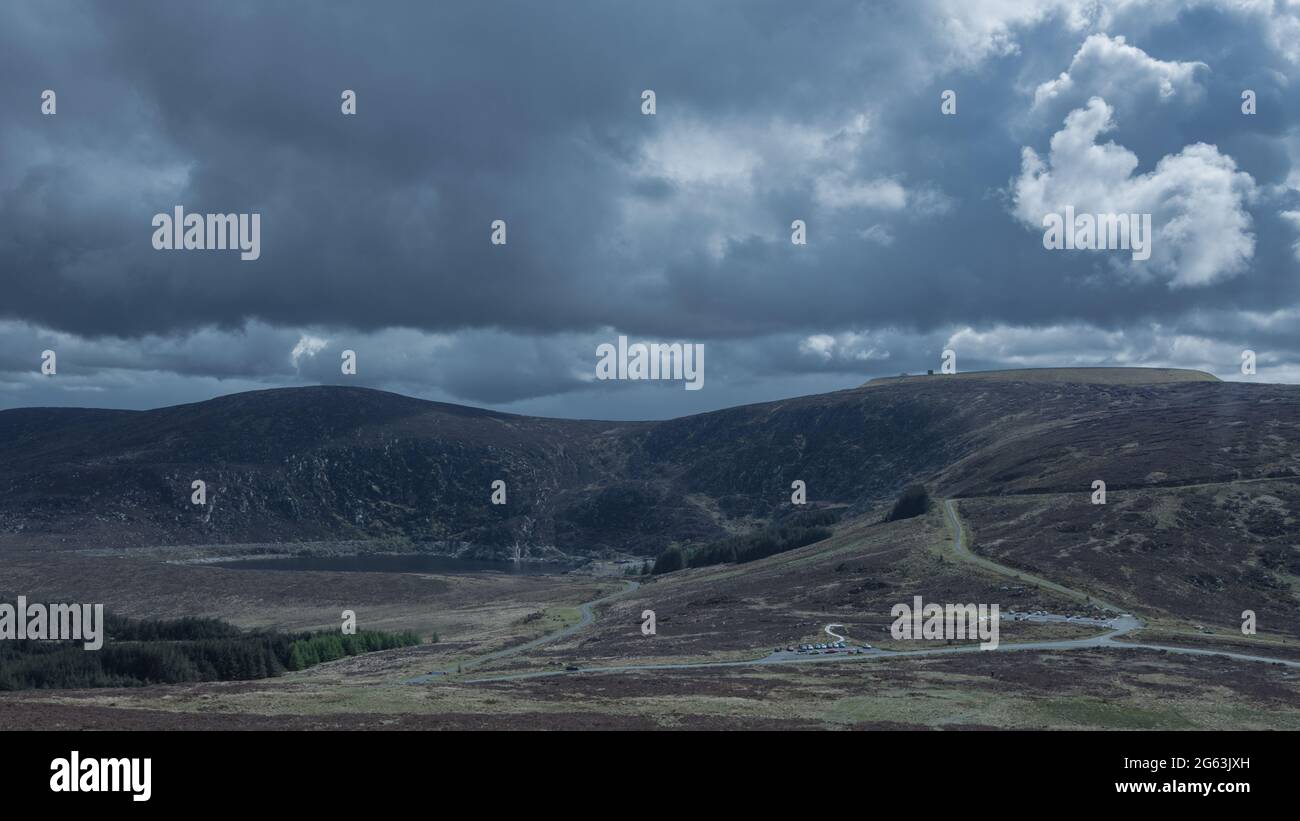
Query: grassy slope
716	611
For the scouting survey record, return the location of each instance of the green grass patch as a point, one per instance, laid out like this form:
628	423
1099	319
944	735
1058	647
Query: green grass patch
1094	713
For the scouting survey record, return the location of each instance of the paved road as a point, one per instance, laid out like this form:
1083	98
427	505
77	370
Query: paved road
1124	624
1118	625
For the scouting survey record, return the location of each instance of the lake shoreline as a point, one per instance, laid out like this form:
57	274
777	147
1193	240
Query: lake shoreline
391	563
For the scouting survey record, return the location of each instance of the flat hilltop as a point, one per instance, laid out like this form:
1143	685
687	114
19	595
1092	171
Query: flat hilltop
1081	376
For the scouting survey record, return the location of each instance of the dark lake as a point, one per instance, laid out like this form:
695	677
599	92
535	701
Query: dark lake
400	564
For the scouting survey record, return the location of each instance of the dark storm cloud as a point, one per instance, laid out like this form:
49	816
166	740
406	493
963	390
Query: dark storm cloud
467	114
375	227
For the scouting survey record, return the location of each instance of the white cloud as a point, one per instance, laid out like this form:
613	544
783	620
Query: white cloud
1197	197
726	173
702	151
1109	67
837	190
879	234
844	347
968	32
1150	346
1040	347
695	154
307	346
819	345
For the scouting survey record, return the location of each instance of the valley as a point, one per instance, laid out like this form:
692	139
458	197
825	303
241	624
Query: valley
1200	525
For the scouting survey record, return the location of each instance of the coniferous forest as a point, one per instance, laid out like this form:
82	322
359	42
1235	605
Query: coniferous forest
139	652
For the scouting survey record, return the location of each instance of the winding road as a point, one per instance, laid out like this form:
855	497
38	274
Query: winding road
1121	624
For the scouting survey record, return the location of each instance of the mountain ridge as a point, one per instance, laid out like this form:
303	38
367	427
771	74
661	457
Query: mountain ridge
344	463
1100	375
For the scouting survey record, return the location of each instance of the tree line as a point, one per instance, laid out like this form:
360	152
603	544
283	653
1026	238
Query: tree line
140	652
799	531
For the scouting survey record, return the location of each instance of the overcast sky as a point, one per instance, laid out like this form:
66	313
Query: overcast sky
924	230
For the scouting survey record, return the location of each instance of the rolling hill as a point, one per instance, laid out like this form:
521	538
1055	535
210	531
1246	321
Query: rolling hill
335	463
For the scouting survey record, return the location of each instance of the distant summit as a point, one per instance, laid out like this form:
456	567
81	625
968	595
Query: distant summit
1077	376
